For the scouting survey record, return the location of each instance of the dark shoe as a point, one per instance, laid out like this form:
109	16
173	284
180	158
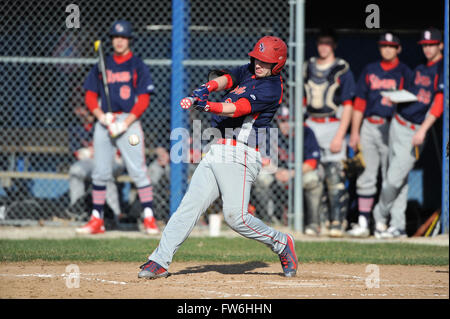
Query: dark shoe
152	270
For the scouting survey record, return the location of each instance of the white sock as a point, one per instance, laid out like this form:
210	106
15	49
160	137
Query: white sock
148	212
363	222
96	213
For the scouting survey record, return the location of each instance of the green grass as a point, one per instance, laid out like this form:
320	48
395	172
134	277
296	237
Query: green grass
220	250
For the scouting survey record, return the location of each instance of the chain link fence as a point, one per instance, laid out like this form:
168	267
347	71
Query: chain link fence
46	52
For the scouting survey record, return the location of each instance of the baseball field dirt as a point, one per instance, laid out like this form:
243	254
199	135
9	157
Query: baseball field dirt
253	280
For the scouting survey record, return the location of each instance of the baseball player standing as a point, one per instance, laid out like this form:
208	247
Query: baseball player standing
233	162
407	133
329	88
372	115
130	85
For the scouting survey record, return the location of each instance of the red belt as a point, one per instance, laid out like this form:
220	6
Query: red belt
405	123
324	119
232	142
376	120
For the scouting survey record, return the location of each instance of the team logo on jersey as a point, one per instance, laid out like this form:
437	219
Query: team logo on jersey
239	90
119	27
261	47
253	97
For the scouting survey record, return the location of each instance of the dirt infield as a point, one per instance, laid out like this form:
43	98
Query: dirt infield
255	280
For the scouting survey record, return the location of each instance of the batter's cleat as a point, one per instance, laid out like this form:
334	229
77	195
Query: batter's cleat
358	231
150	226
288	258
152	270
94	226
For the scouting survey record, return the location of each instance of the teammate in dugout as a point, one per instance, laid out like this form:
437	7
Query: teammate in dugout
407	134
130	85
372	114
233	162
329	91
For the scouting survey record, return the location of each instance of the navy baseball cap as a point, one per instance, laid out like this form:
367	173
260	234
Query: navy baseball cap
388	38
430	36
121	28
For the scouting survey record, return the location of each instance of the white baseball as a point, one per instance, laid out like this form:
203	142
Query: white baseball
133	139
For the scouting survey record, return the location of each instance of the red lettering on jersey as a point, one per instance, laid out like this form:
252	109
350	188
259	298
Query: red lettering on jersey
381	84
239	90
124	76
125	92
424	96
228	101
423	80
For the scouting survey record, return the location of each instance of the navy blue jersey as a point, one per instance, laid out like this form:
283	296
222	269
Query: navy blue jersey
426	82
264	95
374	79
126	81
311	150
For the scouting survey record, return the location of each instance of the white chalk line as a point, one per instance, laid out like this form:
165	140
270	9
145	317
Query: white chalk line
72	275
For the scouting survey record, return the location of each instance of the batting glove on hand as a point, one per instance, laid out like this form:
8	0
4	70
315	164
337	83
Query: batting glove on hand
117	128
200	96
107	118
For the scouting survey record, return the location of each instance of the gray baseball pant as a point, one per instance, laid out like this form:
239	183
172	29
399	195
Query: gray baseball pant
395	186
228	171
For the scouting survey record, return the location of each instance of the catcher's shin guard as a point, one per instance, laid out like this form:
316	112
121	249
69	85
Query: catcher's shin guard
337	192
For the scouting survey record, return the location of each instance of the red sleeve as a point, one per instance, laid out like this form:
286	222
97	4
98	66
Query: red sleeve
347	103
438	105
243	107
141	105
90	99
360	104
311	162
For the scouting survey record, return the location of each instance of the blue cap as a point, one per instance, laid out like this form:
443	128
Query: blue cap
121	28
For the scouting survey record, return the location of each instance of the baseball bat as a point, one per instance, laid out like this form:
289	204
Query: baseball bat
187	102
101	64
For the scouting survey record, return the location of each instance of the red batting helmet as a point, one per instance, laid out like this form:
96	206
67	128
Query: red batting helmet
270	49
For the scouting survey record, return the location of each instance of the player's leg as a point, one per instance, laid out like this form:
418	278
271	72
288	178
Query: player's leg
102	173
235	176
134	159
79	172
337	196
313	189
401	161
201	193
366	183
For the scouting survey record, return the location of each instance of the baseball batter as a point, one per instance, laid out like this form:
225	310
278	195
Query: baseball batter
374	113
329	88
130	85
231	165
407	133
